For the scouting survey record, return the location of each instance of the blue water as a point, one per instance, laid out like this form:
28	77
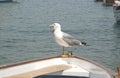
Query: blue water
25	35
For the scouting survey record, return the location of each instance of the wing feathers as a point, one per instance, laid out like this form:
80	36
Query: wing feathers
70	40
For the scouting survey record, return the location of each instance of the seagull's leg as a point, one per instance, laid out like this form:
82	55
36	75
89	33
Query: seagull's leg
63	50
65	53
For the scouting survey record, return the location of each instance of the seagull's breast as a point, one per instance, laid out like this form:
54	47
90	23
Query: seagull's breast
59	38
58	34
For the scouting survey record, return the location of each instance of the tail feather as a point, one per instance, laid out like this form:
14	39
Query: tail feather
84	43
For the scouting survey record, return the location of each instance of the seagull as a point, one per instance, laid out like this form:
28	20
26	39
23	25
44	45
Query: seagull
63	39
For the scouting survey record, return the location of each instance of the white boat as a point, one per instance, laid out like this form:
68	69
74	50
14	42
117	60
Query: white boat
6	0
116	10
57	67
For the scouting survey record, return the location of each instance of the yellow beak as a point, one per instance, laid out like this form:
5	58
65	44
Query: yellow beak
51	25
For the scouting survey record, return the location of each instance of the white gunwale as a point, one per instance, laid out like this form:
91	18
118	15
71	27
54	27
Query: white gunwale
110	72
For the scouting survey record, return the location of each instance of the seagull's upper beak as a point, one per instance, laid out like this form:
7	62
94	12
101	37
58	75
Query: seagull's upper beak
51	25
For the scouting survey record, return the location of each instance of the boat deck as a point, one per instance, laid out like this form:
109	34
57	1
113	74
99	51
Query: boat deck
42	71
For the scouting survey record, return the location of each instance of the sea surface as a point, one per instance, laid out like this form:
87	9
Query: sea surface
25	32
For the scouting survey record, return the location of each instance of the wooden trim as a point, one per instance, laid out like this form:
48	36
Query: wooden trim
118	69
25	62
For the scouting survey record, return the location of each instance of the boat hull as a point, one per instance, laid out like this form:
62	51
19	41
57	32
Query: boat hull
116	10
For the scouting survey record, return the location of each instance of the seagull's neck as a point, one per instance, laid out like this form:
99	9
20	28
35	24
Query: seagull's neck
58	33
57	29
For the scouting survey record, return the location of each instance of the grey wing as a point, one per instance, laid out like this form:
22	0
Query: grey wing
70	40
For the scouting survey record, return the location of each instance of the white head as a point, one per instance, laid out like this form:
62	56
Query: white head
56	26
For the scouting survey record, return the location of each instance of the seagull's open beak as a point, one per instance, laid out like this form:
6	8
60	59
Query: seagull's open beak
51	25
